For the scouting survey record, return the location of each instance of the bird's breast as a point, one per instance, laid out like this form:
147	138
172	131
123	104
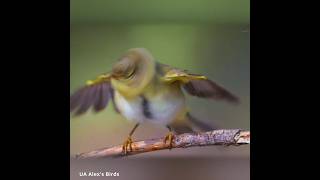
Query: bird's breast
161	108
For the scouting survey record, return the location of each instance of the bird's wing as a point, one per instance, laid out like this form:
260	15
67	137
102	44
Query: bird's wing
96	93
196	85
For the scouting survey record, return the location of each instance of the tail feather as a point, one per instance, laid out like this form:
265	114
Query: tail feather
181	128
200	124
191	125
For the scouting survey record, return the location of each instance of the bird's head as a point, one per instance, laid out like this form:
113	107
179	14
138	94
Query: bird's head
133	71
124	69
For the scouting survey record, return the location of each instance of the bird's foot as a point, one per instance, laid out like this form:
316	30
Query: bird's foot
127	146
169	137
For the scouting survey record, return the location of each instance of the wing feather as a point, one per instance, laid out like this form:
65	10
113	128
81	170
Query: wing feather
209	89
196	85
104	97
96	94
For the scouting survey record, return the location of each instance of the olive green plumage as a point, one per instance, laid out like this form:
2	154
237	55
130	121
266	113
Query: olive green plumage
143	89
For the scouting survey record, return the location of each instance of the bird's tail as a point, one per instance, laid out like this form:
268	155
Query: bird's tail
202	126
192	125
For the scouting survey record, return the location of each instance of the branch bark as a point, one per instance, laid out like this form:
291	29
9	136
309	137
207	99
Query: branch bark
216	137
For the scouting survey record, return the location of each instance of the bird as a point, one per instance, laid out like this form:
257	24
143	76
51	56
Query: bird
142	89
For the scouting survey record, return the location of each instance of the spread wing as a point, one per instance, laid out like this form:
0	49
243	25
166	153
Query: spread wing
95	93
197	85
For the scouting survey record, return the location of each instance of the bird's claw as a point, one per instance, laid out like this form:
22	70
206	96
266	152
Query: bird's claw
169	137
127	146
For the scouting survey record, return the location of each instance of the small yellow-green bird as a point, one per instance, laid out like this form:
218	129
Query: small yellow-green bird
144	90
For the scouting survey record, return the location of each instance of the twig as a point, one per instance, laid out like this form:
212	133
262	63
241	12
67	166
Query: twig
216	137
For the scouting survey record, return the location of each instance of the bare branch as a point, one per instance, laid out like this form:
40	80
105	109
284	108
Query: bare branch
216	137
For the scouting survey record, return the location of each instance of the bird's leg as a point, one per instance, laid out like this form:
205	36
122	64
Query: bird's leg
128	142
169	137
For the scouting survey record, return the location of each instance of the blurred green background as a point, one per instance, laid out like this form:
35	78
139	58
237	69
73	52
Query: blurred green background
206	36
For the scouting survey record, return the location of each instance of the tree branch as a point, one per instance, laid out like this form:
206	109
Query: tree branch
216	137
